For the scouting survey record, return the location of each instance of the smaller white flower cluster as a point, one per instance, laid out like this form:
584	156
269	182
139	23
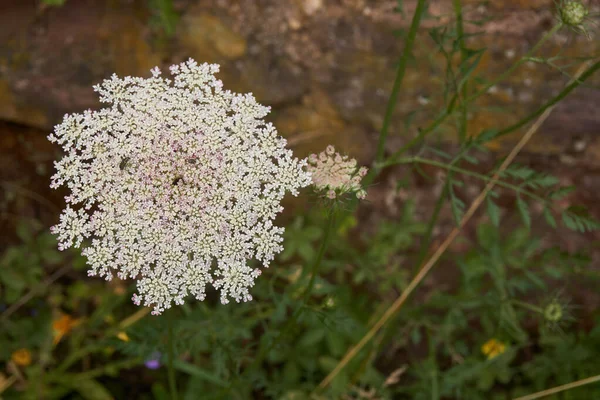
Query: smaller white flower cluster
335	174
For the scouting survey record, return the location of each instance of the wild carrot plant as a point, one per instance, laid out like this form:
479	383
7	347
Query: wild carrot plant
177	184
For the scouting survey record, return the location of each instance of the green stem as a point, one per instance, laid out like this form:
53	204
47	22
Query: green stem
485	178
567	89
94	373
171	355
432	221
314	271
516	65
527	306
317	263
406	54
462	136
448	110
462	129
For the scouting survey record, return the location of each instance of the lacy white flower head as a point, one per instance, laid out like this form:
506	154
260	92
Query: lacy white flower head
335	175
176	184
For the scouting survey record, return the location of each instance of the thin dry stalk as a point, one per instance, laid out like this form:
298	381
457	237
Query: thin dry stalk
29	295
560	388
424	270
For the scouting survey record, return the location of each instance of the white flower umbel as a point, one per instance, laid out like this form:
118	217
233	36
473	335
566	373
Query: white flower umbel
335	175
175	184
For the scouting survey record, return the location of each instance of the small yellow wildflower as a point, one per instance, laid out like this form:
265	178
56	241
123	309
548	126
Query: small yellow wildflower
123	336
21	357
493	348
63	325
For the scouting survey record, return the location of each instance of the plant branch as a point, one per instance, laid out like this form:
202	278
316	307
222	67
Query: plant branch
462	123
406	54
264	351
568	89
424	270
449	109
485	178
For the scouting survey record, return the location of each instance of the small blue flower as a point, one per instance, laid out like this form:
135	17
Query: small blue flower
153	362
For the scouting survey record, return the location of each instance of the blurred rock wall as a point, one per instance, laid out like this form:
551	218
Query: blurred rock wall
326	66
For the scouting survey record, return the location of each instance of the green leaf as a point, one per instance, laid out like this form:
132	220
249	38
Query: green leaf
545	180
518	172
487	236
12	279
91	389
54	2
487	135
577	219
160	392
467	66
25	230
440	153
549	217
400	7
311	338
535	279
306	251
457	206
337	346
471	159
415	335
524	211
562	192
409	119
198	372
493	211
166	14
51	256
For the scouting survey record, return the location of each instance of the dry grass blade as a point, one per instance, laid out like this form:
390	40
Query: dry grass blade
29	295
424	270
560	388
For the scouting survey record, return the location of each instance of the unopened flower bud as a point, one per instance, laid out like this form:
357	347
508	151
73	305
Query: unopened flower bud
553	312
573	13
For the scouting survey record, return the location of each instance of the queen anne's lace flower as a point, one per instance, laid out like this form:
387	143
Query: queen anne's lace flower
176	185
334	174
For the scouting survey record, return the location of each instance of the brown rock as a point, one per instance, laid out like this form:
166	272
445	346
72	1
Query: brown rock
209	39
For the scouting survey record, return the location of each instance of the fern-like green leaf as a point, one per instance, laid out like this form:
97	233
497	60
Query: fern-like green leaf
457	205
493	211
524	211
549	217
577	219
